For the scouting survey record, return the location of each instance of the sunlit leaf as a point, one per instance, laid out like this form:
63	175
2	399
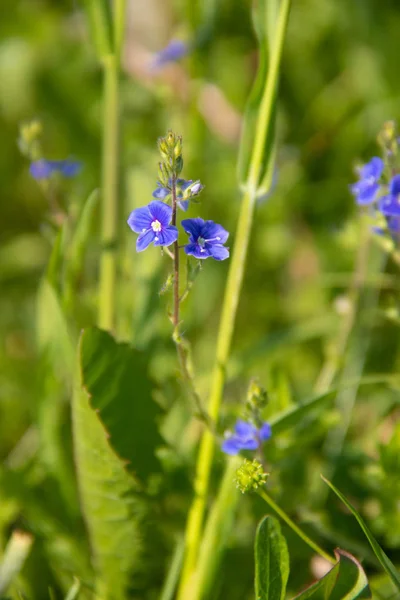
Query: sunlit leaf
271	561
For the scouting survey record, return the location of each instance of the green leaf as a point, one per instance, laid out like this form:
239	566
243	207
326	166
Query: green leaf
261	14
379	553
80	238
345	581
272	561
352	582
289	418
115	378
110	504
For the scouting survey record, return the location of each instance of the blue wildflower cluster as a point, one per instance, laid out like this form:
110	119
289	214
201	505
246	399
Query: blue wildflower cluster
249	433
45	168
378	186
157	222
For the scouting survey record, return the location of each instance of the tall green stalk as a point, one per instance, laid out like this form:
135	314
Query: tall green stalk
108	28
231	299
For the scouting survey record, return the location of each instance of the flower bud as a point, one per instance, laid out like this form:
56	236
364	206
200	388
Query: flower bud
250	476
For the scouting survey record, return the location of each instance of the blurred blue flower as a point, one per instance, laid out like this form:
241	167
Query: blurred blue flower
206	239
184	189
173	51
246	437
43	168
366	188
152	222
390	205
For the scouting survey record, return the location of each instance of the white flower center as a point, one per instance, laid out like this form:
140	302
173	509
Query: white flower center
156	226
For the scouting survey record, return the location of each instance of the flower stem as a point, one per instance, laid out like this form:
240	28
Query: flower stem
175	318
110	171
181	345
294	527
231	300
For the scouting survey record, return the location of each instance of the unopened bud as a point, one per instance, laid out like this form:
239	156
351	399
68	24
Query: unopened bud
250	476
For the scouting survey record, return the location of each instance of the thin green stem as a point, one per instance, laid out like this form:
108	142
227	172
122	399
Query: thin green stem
231	301
294	527
110	166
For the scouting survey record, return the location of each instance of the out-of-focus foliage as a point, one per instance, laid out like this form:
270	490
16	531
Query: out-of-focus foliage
339	83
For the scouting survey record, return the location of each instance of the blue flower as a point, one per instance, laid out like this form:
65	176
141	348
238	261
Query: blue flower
390	205
366	188
246	437
206	239
173	51
43	168
152	222
184	189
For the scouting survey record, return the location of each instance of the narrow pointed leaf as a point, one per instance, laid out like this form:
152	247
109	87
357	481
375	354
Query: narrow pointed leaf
379	553
272	561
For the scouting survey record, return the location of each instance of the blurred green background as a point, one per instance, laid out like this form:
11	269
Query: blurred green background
339	84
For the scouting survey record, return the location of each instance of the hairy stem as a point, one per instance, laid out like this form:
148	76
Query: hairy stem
181	345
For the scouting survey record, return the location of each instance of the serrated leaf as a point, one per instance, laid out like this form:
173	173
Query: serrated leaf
271	561
120	390
379	553
345	581
109	502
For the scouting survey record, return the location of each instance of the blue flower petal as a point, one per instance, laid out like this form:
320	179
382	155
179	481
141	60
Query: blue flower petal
214	232
265	432
175	50
69	168
230	446
242	428
166	237
193	227
144	240
395	185
41	169
140	219
374	168
389	206
248	444
161	193
160	211
217	251
196	251
365	192
183	204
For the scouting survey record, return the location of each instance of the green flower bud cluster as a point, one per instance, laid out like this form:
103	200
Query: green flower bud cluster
170	148
256	401
250	476
388	138
29	139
